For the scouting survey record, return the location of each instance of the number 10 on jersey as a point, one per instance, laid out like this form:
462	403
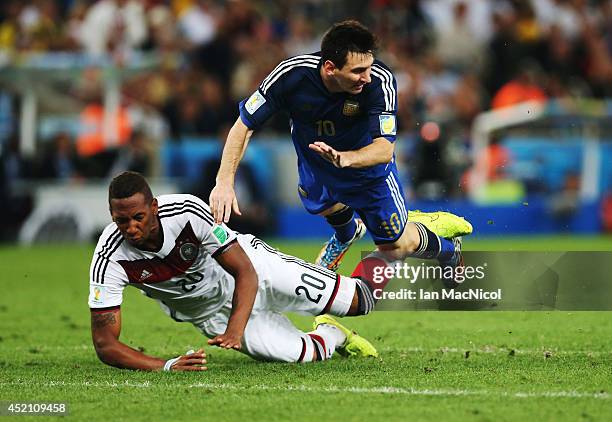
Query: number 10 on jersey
326	127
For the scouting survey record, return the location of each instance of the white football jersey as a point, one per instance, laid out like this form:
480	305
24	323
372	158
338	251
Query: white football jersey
182	276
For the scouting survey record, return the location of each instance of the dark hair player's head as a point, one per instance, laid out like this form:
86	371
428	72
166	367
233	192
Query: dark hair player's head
346	37
133	208
127	184
347	55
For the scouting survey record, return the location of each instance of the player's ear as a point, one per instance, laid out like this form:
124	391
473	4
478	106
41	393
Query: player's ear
329	67
154	206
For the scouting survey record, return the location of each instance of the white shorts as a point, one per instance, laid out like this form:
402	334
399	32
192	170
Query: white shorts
286	284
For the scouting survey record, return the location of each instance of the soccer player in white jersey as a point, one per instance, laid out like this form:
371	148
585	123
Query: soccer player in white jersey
232	287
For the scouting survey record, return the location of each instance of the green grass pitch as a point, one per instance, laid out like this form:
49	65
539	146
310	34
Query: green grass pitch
433	365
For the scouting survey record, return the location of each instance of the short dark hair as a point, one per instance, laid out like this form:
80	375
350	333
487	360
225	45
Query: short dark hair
346	37
127	184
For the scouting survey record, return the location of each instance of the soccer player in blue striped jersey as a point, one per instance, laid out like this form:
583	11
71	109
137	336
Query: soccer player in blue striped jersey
342	105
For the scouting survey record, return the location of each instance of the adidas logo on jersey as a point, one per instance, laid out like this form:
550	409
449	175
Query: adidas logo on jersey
145	274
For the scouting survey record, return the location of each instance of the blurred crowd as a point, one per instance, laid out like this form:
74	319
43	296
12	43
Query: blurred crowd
452	59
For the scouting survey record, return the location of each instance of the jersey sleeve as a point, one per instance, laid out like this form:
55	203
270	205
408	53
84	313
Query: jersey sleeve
107	279
265	101
383	104
213	237
218	238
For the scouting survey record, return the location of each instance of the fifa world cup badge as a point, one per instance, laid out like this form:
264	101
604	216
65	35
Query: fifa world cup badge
387	124
351	108
254	102
98	294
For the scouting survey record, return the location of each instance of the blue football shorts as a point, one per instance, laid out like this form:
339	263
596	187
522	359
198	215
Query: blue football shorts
380	205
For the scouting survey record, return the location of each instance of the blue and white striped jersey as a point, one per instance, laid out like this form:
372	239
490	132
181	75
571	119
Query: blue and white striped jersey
342	120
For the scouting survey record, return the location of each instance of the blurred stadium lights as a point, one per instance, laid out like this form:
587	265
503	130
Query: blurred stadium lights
31	75
582	119
430	131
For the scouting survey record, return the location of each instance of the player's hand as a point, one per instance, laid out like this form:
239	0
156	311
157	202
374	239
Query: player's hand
337	158
227	340
222	201
195	361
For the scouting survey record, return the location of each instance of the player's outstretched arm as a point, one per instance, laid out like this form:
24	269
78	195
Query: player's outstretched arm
105	330
222	198
380	151
236	262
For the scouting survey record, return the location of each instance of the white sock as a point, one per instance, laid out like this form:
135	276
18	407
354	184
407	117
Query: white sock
334	334
321	343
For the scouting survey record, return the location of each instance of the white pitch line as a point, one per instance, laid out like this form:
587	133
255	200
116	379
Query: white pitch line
330	389
494	350
442	349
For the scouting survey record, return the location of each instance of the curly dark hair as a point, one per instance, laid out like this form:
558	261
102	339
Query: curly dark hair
127	184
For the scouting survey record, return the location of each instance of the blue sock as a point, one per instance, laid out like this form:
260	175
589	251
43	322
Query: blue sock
433	246
343	222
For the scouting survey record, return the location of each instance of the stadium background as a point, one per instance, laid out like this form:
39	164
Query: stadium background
504	117
91	88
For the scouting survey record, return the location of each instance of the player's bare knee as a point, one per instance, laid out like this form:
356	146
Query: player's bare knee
406	245
410	247
410	239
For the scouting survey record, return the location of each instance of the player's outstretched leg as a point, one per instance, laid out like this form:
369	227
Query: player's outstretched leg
371	274
455	261
446	251
444	224
448	228
270	336
334	250
321	343
354	345
418	241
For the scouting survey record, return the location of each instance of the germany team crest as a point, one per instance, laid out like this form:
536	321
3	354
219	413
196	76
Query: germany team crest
188	251
351	108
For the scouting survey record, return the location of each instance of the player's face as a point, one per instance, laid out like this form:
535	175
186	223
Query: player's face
136	219
355	73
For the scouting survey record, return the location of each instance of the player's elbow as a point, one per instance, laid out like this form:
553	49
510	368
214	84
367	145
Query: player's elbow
387	156
109	357
104	355
105	350
385	151
240	129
